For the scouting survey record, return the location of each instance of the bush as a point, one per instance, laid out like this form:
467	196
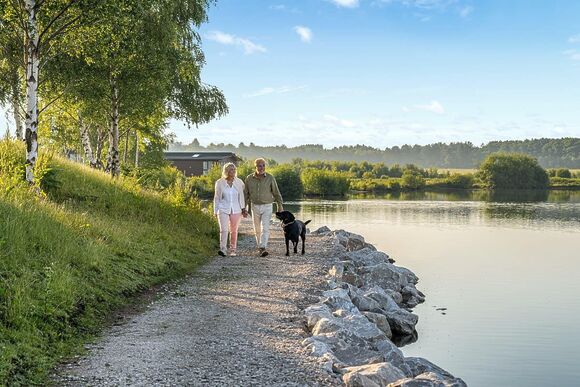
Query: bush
512	171
324	182
412	180
288	180
563	172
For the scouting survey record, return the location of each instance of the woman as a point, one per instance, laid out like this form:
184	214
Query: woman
228	202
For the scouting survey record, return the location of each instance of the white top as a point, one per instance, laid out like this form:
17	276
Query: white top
229	200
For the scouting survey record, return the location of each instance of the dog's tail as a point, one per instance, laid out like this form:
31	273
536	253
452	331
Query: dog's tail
308	221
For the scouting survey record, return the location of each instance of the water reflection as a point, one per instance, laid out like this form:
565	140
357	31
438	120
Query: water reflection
504	266
510	208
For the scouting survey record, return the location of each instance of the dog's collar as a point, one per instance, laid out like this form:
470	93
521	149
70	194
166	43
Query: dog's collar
286	224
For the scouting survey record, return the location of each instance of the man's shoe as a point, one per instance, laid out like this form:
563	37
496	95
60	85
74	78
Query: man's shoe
221	253
263	252
233	254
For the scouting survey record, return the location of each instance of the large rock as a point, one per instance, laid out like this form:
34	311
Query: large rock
429	379
351	241
419	365
321	231
400	320
362	302
385	275
380	374
367	257
341	353
411	296
380	320
393	355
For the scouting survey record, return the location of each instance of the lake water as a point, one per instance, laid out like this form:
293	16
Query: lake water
506	267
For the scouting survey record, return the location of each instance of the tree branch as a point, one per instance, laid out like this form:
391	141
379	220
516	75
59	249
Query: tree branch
51	102
58	16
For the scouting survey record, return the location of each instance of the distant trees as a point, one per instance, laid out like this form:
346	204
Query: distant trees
512	170
564	152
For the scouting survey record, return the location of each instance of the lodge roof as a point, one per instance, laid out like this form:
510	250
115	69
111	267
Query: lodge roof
205	156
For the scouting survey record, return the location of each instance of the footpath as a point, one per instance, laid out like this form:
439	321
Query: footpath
236	321
330	317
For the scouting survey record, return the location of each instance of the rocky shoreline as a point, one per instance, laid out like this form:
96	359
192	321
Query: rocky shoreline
366	310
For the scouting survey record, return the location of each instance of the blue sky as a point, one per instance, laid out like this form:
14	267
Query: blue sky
390	72
386	73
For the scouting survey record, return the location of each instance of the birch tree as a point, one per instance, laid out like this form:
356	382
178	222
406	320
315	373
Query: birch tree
41	24
143	61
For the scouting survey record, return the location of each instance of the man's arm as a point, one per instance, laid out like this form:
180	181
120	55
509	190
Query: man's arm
247	197
277	195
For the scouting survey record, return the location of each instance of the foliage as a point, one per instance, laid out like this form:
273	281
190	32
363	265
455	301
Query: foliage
560	172
96	242
563	152
454	180
289	182
512	171
412	180
324	182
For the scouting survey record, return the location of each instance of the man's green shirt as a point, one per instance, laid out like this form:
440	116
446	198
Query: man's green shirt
262	190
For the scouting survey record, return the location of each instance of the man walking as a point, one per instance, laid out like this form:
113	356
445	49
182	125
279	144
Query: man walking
260	192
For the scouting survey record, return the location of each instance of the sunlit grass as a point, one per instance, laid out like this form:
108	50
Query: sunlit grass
70	256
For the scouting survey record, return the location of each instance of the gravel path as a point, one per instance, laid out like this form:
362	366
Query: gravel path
237	321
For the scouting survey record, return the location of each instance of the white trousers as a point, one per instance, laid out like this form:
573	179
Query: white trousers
261	214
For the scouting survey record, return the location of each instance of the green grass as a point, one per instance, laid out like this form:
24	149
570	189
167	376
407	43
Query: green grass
68	257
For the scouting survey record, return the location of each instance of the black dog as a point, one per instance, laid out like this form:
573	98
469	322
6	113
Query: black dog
293	229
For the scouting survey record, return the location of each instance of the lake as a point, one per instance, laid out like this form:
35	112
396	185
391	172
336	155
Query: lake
505	266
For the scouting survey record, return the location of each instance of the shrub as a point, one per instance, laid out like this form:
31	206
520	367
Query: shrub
563	172
324	182
412	180
288	180
512	171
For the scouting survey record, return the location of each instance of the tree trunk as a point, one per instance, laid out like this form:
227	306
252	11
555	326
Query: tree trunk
16	105
113	156
99	148
32	62
136	149
86	141
126	148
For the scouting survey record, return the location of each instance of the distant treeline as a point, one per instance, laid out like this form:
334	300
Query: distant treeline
550	153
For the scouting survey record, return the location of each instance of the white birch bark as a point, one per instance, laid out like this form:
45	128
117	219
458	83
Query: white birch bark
32	62
16	107
99	150
113	156
86	141
136	149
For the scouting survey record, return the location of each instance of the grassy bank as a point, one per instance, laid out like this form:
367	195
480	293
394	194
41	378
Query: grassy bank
75	251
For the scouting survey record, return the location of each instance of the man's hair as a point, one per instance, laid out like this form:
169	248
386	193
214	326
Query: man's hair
258	160
226	167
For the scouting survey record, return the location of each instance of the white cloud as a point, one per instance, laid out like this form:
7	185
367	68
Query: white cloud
346	3
465	11
433	107
247	45
337	121
572	54
305	33
274	90
574	39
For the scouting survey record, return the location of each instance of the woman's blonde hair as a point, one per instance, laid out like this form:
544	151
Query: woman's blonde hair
228	166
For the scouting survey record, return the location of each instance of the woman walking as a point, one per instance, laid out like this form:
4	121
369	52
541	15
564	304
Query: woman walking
228	202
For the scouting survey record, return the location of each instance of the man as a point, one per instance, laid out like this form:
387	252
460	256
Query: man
260	192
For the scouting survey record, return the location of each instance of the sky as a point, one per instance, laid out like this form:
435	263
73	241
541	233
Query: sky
391	72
